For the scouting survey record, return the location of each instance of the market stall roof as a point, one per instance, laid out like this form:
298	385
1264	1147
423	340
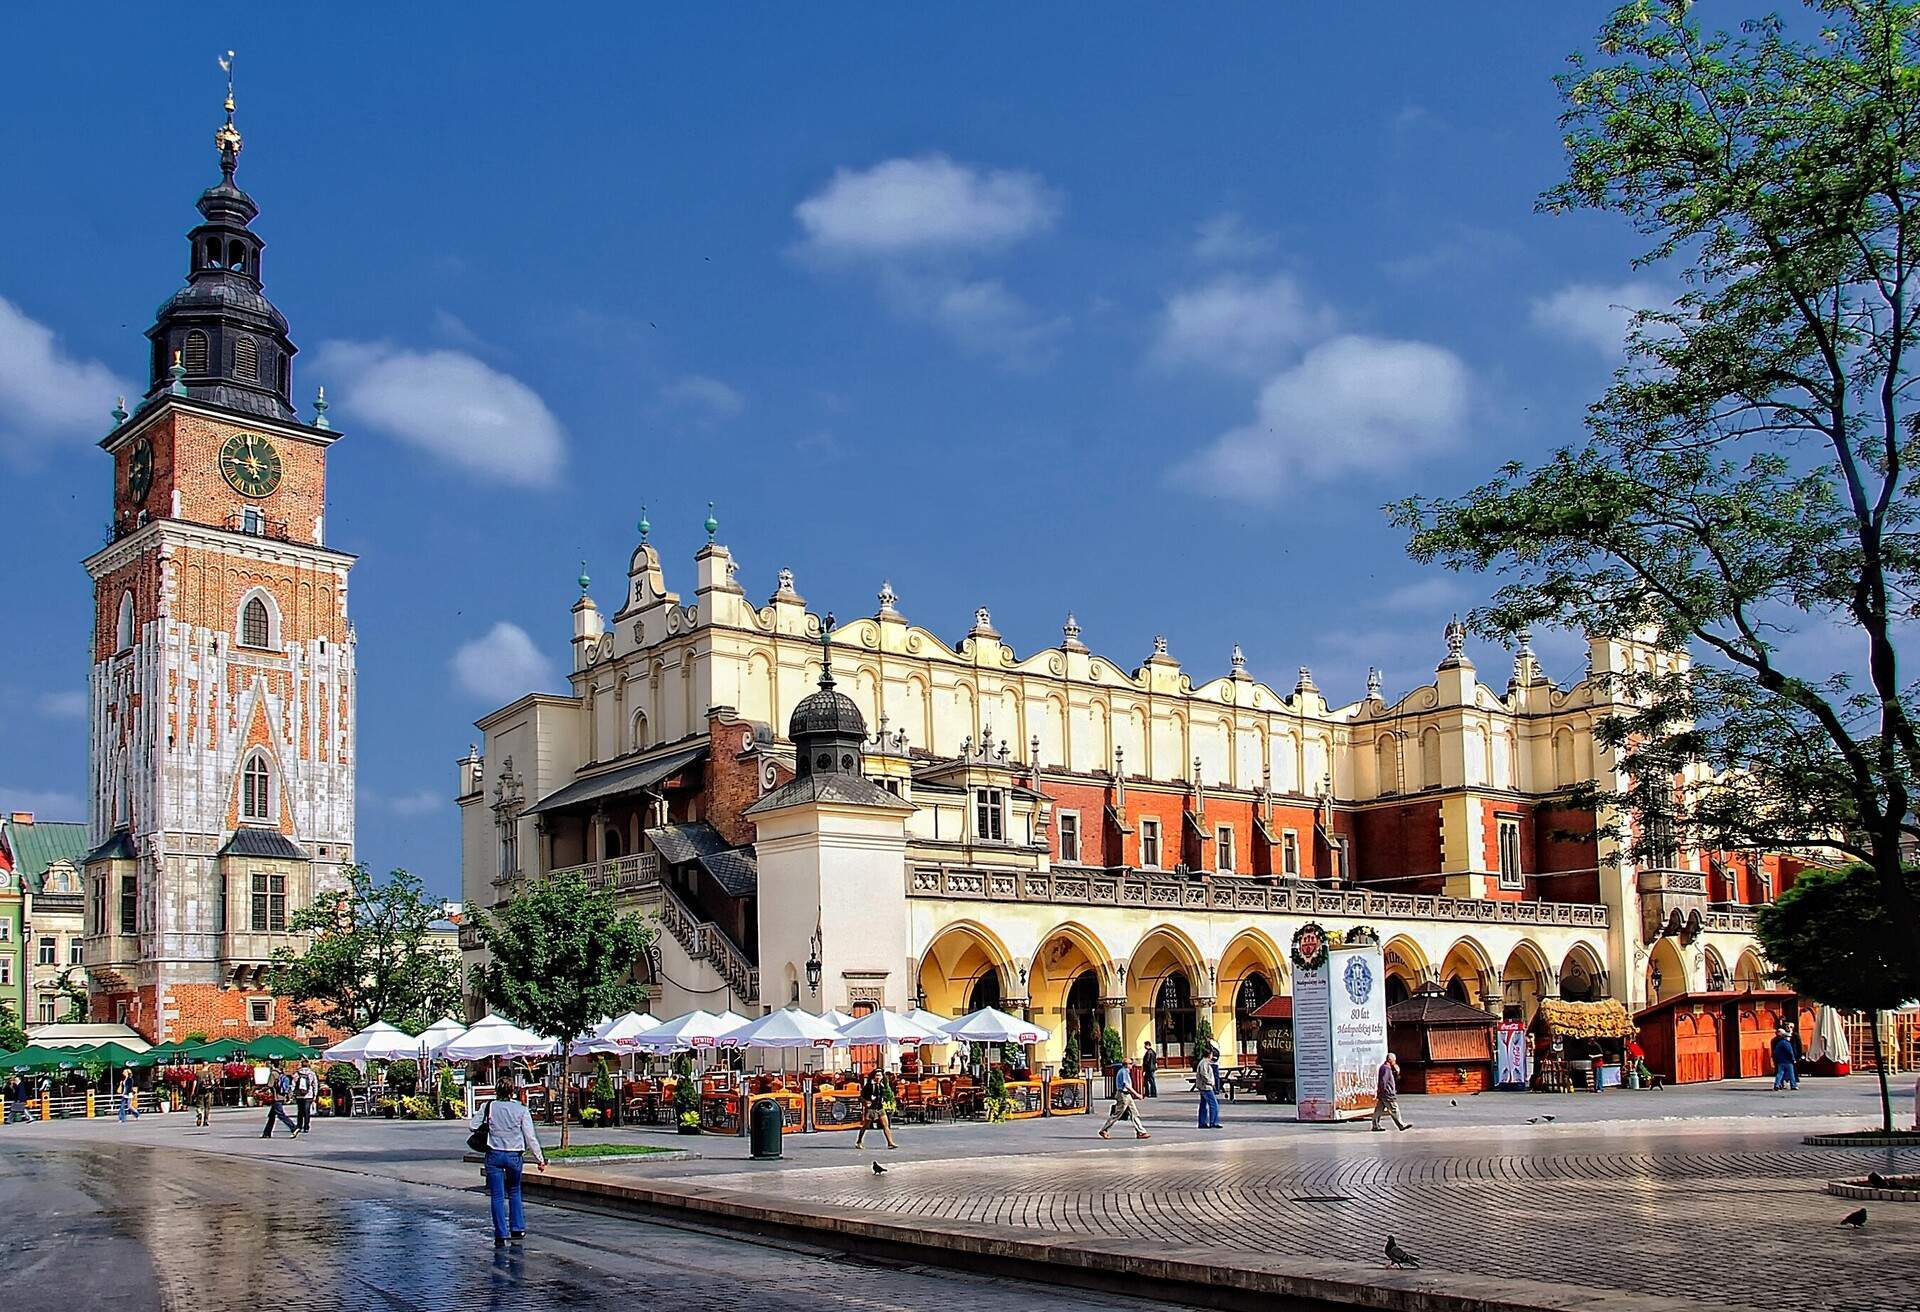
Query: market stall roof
85	1034
1710	998
611	783
1277	1007
1432	1005
218	1050
115	1055
789	1028
33	1057
992	1025
1605	1019
377	1042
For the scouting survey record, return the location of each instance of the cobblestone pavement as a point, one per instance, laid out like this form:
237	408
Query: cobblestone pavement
1725	1217
133	1228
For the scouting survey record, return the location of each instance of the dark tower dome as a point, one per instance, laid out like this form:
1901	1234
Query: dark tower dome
827	730
226	335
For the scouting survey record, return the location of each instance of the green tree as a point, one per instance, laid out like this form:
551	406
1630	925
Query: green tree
371	957
76	991
561	957
1202	1038
1070	1059
1829	939
1747	474
12	1036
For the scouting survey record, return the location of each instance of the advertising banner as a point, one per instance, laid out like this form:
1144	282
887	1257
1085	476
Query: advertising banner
1510	1050
1358	996
1312	1039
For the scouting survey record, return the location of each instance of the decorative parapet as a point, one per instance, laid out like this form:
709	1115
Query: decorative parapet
1254	896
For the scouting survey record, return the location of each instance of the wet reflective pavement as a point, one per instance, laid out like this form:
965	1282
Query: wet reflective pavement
131	1228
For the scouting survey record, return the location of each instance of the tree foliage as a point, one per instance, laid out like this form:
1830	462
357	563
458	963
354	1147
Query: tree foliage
1829	940
561	958
12	1036
371	958
1743	487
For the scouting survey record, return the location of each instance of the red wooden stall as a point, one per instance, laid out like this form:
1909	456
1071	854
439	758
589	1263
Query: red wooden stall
1691	1038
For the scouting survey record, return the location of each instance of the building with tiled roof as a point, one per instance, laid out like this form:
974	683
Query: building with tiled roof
48	856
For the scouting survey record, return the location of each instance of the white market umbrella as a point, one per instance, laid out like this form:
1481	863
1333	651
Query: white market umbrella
1830	1039
788	1028
890	1027
377	1042
495	1036
435	1037
623	1029
992	1025
840	1019
932	1022
696	1029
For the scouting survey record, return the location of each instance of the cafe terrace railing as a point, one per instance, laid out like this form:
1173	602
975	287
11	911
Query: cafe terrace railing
702	940
1226	893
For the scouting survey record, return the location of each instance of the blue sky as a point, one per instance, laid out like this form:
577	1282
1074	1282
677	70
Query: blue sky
1143	320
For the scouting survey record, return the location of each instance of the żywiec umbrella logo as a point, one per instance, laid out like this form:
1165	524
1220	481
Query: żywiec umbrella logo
1358	978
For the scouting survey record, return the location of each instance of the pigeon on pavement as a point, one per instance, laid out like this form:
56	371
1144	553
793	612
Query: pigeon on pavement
1398	1256
879	1169
1856	1219
1875	1179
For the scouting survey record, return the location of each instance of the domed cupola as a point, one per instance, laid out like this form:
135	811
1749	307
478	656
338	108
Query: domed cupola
229	341
827	730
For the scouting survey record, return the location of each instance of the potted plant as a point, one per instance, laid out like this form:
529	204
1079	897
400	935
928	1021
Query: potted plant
602	1090
1112	1050
448	1093
387	1106
999	1107
403	1076
341	1079
686	1095
1070	1059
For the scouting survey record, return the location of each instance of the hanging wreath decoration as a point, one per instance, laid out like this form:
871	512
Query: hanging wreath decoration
1309	950
1363	934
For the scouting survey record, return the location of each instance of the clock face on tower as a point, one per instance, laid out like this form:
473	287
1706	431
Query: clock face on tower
250	465
140	469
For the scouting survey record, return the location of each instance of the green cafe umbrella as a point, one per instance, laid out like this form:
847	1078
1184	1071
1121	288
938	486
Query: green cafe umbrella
33	1057
273	1047
113	1055
218	1050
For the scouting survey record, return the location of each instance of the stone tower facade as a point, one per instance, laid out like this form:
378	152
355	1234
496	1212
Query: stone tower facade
223	690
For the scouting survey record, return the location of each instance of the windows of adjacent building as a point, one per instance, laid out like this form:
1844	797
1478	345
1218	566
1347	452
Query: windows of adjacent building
1150	844
269	903
97	918
1290	853
1762	881
47	1009
253	521
123	624
1223	849
1511	873
256	623
259	1011
1070	836
256	790
6	932
73	951
6	970
48	952
989	815
129	903
509	849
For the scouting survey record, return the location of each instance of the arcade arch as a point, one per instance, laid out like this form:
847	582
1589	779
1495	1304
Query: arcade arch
1466	972
1165	978
965	967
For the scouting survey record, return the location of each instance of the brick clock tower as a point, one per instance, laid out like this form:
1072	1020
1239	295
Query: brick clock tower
222	689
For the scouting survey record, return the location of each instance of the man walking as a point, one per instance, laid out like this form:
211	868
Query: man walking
1206	1078
1149	1064
306	1087
1786	1073
16	1098
1123	1105
129	1095
1386	1094
279	1087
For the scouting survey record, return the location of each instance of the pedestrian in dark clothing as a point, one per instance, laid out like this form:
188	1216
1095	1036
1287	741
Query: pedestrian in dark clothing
1386	1094
1149	1063
276	1093
16	1108
1786	1073
1206	1078
873	1108
306	1087
129	1095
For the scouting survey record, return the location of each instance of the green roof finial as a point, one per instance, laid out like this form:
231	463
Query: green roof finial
585	582
713	525
320	410
119	411
178	373
644	527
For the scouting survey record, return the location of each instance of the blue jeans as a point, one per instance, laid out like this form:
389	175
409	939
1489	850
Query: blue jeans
125	1109
1786	1076
503	1187
1209	1110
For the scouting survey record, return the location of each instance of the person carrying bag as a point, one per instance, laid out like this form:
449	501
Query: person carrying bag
505	1134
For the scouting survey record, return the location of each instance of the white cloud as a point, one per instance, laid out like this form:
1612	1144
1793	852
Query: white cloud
1239	324
70	704
450	405
1433	593
502	666
714	399
1351	405
1594	315
46	804
46	395
1229	239
905	206
419	803
979	315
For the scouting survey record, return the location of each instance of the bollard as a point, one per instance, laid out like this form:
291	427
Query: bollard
89	1104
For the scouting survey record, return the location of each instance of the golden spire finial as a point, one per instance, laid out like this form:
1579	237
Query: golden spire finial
228	137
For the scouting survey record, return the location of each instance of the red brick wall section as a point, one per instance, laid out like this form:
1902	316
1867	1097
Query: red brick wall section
1166	806
1491	814
210	1009
186	457
1563	840
732	776
1097	845
1398	841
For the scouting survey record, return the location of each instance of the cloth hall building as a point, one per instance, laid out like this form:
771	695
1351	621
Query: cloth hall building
873	816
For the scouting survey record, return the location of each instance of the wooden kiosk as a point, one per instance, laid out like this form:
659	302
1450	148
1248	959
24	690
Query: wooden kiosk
1444	1045
1691	1038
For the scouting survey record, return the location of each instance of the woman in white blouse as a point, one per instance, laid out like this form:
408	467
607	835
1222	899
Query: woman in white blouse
510	1139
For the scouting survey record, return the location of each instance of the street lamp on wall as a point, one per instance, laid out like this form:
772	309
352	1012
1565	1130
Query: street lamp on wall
813	965
1654	979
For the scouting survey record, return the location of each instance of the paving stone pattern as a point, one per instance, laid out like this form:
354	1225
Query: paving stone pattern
1727	1219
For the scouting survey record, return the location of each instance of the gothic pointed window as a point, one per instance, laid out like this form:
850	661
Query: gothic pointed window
246	360
256	790
256	628
194	354
123	624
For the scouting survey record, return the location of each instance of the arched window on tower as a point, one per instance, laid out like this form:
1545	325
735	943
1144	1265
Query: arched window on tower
246	360
286	377
639	730
256	624
256	790
237	255
123	624
194	355
213	253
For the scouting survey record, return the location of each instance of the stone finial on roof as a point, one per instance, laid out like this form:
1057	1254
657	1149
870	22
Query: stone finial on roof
888	597
983	624
786	582
1070	634
1238	660
1456	639
1373	684
712	525
320	409
1159	644
1305	683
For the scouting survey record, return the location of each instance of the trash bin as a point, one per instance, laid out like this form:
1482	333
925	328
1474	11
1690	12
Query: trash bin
764	1128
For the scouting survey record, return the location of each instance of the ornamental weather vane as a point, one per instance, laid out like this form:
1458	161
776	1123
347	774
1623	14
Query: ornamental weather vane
228	137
